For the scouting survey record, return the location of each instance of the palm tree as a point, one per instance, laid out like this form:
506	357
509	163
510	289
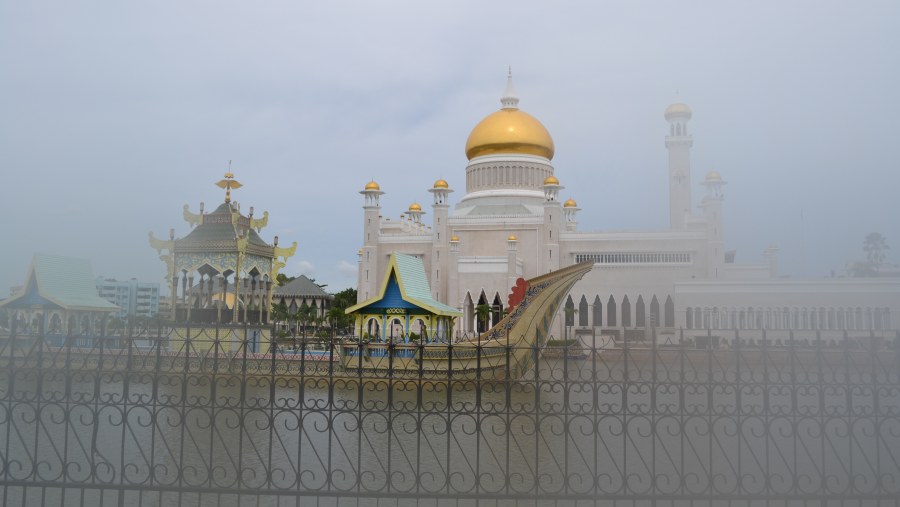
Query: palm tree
305	314
483	313
335	318
279	312
570	312
874	245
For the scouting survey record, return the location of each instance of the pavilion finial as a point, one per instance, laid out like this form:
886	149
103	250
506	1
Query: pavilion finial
509	100
229	183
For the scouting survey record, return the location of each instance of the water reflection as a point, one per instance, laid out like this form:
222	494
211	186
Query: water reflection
579	429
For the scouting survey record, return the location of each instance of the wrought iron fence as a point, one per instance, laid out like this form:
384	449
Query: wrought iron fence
166	416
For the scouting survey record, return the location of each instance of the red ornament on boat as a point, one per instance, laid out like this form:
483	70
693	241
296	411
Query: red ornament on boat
517	294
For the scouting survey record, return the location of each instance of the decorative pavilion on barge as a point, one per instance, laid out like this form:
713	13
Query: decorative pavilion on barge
404	308
222	272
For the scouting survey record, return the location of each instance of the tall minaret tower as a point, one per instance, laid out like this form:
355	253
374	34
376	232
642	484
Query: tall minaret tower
368	264
679	143
440	256
715	235
550	230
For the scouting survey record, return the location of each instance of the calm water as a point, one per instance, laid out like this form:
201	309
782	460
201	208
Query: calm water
581	433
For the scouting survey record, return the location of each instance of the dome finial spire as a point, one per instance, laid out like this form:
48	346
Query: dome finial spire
509	99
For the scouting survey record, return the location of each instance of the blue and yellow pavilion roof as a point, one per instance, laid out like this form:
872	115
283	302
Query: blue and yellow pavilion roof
405	284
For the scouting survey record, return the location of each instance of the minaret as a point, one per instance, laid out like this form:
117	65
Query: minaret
454	298
679	143
549	257
415	215
512	258
715	234
368	267
440	260
571	209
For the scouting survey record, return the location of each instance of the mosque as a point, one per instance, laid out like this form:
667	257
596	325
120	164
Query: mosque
512	222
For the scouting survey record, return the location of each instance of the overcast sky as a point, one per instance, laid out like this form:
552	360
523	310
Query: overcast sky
113	115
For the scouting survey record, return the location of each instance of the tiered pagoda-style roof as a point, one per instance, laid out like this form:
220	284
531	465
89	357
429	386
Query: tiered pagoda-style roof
224	243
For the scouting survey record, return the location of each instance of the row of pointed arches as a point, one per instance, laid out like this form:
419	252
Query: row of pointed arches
810	318
610	312
482	312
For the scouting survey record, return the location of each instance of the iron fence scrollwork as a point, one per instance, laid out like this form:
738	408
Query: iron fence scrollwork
162	415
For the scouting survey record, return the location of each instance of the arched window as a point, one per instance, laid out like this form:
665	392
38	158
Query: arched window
396	329
669	318
468	313
626	312
583	312
373	329
640	312
55	324
654	312
570	312
598	312
482	322
496	310
420	329
611	312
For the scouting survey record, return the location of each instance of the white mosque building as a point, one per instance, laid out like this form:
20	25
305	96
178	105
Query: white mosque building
512	222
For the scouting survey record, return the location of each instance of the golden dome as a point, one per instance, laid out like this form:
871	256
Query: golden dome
509	131
415	207
441	184
570	204
454	238
713	176
551	180
372	186
678	109
512	237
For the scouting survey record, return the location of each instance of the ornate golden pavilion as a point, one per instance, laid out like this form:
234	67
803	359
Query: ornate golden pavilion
222	271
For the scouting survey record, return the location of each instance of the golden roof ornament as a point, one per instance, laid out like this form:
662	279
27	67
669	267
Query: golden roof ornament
229	183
